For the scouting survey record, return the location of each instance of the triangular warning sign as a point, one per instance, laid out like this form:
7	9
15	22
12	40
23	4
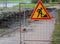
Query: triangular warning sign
40	13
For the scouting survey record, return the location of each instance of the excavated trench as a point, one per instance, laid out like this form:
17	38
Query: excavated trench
10	17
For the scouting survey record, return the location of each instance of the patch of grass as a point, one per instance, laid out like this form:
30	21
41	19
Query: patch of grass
56	34
28	5
48	5
1	31
33	5
1	1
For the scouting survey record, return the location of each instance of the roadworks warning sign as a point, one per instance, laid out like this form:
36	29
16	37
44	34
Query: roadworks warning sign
40	13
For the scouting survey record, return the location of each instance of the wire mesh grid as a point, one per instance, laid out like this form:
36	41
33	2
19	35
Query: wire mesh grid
41	31
37	32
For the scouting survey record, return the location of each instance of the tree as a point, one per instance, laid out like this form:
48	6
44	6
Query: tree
5	3
53	0
34	1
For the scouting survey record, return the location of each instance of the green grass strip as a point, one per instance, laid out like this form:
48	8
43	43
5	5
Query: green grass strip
56	34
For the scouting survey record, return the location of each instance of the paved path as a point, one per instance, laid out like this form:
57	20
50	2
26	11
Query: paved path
57	6
13	38
42	30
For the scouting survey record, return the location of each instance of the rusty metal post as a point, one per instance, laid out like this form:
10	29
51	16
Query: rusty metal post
22	35
24	23
20	23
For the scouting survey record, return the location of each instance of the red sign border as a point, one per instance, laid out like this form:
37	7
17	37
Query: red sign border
39	2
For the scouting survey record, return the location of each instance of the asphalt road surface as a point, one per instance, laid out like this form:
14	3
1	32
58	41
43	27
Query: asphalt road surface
41	30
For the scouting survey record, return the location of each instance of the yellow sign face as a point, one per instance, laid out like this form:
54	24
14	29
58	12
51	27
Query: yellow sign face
40	13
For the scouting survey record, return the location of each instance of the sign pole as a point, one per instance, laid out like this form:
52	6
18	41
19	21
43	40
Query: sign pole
39	0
